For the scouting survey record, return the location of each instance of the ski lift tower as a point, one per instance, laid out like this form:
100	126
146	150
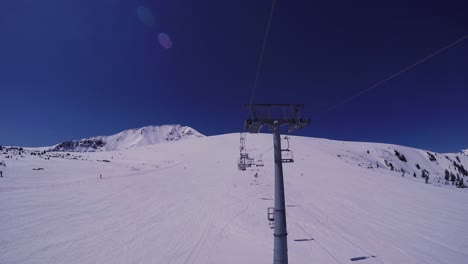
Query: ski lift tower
276	116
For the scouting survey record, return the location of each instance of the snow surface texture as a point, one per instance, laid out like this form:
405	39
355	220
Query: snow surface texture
129	138
186	202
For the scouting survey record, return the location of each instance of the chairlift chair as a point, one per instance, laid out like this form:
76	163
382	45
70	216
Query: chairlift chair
259	162
287	154
241	164
250	162
245	161
271	216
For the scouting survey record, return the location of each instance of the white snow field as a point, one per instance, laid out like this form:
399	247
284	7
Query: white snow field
186	202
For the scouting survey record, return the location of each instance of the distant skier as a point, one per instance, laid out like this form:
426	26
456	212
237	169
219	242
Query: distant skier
1	174
100	176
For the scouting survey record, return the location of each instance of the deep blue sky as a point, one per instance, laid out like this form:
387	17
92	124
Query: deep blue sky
72	69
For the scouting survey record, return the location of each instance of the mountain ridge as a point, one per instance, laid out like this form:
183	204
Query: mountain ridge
125	139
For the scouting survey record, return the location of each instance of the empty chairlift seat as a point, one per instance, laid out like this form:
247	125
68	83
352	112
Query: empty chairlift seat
271	216
287	156
259	162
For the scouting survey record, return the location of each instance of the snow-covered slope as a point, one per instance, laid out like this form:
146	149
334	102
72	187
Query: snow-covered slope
464	152
186	202
419	165
129	138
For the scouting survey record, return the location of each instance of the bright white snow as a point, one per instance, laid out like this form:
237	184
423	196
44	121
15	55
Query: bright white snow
186	202
130	138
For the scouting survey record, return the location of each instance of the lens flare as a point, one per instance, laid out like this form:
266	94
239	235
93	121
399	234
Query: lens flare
165	41
145	16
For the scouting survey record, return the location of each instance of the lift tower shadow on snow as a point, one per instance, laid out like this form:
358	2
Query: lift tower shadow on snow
275	116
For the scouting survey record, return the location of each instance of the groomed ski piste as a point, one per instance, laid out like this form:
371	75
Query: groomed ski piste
186	202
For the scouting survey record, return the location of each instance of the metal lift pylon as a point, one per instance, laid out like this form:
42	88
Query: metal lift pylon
275	116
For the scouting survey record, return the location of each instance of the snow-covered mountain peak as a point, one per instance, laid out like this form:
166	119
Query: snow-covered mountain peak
147	135
464	152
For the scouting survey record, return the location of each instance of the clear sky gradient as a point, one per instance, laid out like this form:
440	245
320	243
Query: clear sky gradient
73	69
